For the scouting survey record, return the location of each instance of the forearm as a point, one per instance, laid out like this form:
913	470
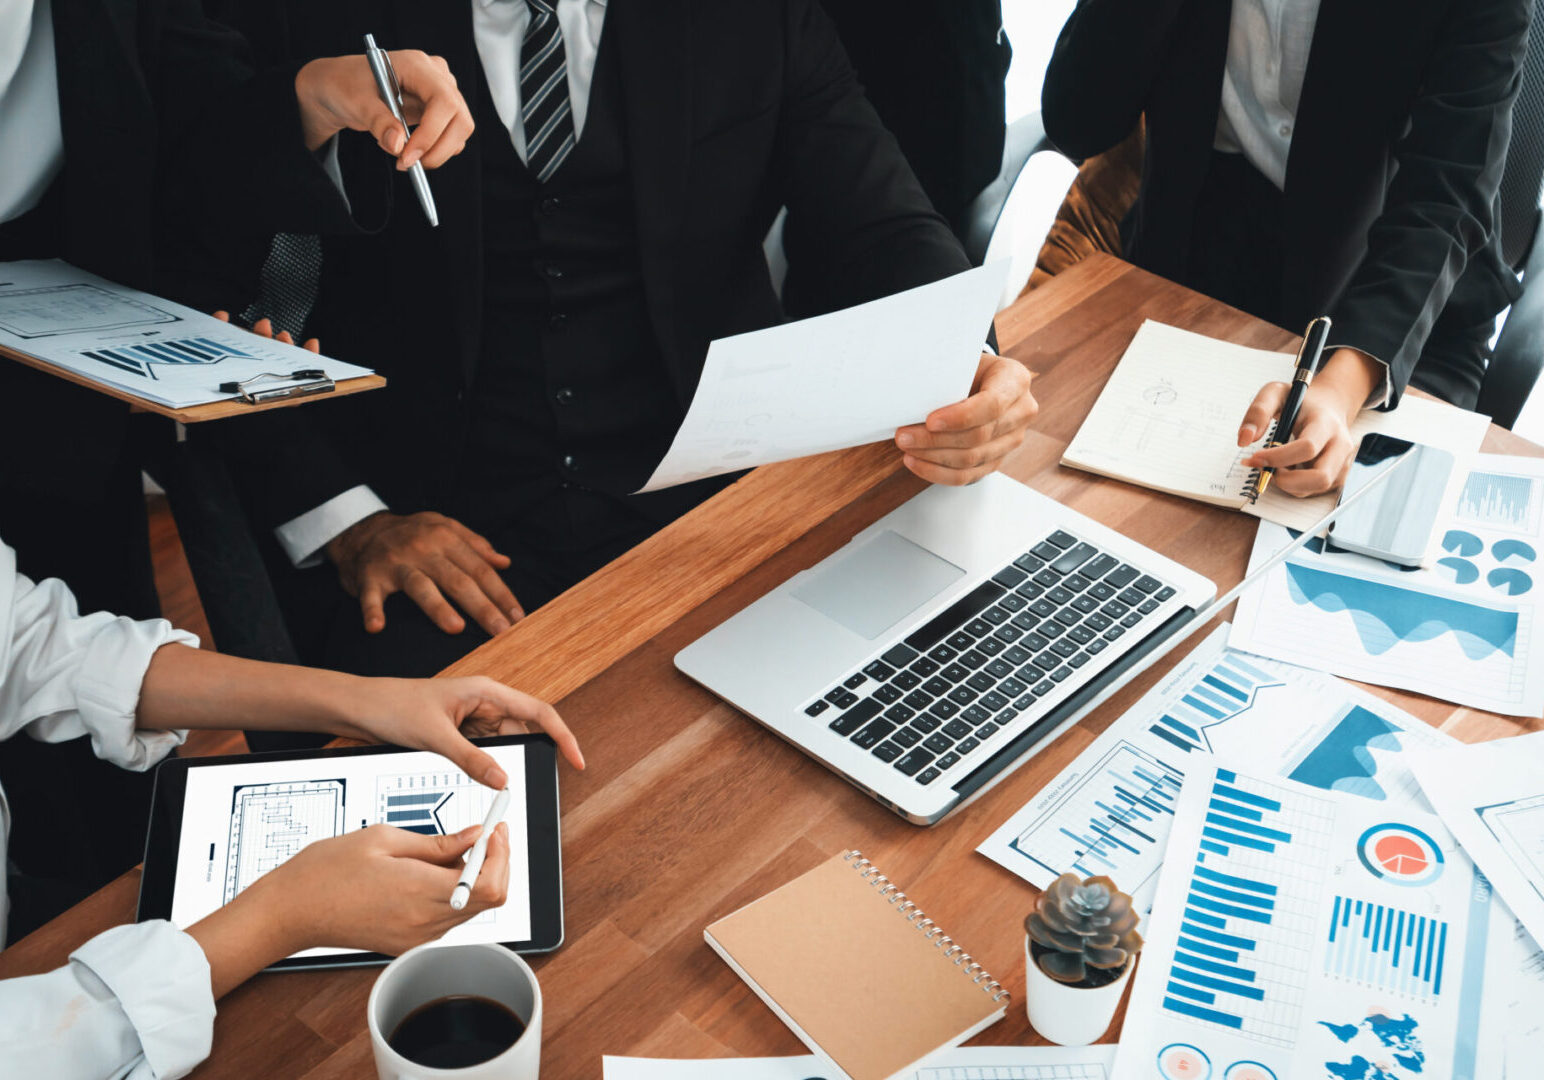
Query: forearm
191	688
244	937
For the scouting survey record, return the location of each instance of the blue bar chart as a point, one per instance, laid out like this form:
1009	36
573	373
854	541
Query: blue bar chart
141	358
1224	692
1243	932
1381	947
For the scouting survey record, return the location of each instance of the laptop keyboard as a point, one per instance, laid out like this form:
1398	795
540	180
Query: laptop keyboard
942	693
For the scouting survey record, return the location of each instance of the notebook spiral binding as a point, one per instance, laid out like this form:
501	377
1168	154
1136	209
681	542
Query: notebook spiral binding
929	929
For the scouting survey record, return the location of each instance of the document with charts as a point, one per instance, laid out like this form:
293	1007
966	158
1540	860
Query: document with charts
1168	419
1298	933
1110	811
119	337
961	1063
1465	631
1491	795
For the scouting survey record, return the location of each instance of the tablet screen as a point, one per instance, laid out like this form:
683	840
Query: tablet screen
243	818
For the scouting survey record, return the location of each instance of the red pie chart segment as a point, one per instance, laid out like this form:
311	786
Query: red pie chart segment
1400	854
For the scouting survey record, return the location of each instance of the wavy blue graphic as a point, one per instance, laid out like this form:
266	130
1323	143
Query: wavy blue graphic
1509	580
1458	570
1460	542
1385	616
1344	759
1505	550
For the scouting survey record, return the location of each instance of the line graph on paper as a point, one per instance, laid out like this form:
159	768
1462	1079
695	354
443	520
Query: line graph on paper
271	822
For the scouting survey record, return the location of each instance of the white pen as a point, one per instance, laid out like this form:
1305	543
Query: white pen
474	859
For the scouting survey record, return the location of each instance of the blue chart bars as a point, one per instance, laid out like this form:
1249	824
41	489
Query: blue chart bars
1231	949
1111	818
141	359
1224	692
1384	947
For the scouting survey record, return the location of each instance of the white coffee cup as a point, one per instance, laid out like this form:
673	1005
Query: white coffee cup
431	972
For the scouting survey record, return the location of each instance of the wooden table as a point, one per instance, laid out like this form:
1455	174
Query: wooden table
688	810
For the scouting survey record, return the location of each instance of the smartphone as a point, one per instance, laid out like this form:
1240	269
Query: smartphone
1396	522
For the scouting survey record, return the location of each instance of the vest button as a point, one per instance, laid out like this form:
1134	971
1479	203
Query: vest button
564	396
569	463
557	320
552	271
550	203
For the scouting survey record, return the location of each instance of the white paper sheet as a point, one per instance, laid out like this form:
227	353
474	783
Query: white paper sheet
1492	796
1525	1028
130	340
834	381
1110	811
1465	631
961	1063
1298	933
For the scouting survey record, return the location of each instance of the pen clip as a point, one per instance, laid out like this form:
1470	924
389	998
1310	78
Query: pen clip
396	87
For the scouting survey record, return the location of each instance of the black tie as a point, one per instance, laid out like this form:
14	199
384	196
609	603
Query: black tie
545	110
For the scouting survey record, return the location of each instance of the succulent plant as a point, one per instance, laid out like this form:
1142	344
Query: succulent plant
1083	924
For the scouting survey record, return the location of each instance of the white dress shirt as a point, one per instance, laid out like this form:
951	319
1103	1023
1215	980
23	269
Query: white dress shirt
135	1001
31	138
1262	83
498	26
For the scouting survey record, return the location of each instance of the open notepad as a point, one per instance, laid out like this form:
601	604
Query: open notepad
1169	417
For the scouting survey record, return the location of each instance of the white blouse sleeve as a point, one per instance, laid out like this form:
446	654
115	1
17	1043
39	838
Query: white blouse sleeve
133	1003
63	674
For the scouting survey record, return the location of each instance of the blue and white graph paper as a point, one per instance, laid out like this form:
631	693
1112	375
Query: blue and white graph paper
1302	933
1466	630
1110	811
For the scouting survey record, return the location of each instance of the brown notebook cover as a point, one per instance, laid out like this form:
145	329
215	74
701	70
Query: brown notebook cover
857	970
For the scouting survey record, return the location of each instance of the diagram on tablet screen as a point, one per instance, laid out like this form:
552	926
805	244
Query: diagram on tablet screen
434	803
271	822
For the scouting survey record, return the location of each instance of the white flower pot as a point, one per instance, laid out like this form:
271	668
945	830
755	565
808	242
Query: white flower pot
1069	1015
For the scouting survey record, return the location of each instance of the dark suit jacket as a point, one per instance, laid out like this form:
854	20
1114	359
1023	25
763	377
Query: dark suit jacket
166	124
1390	195
934	70
729	111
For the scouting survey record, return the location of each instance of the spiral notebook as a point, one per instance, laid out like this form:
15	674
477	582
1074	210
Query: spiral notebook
1169	416
856	969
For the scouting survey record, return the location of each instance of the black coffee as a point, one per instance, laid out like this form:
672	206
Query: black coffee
455	1032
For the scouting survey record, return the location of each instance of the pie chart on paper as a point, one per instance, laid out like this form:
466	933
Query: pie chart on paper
1400	855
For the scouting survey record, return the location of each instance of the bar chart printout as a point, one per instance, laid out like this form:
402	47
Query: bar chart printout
1281	945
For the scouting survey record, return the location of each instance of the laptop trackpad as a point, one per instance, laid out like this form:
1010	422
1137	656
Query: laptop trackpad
870	589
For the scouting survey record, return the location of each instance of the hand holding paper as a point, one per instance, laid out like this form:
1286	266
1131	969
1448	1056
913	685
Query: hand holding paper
843	379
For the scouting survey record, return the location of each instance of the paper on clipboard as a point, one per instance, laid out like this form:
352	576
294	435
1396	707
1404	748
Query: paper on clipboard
134	342
834	381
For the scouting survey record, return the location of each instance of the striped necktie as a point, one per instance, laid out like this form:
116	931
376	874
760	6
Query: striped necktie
545	110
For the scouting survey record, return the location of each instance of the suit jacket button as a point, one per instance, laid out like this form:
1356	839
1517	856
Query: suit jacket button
569	463
564	396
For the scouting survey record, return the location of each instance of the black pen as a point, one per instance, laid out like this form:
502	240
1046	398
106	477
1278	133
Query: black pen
1308	356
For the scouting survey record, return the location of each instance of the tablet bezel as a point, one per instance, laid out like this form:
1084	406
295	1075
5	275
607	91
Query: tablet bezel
543	837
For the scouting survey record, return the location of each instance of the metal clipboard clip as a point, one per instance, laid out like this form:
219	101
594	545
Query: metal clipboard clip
270	386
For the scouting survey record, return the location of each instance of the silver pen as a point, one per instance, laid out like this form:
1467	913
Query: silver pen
391	94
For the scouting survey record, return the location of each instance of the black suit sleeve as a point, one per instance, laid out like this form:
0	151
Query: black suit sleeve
859	226
1439	213
1104	63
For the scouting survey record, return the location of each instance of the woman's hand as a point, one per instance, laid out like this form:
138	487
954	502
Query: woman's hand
1315	459
440	715
380	889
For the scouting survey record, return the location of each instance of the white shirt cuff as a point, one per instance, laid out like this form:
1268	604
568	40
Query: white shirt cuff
304	537
160	978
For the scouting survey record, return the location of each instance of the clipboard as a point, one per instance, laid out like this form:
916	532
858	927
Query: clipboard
194	414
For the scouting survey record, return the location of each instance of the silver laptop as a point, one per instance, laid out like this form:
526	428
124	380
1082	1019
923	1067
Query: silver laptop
947	641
